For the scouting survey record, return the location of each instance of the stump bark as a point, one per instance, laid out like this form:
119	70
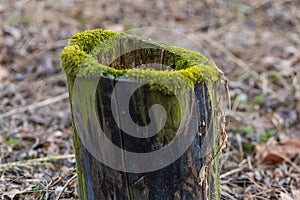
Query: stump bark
192	175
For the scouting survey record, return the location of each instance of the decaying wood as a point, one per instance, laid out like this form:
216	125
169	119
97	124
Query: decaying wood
194	175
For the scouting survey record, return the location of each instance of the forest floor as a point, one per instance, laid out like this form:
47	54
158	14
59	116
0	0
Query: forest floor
256	43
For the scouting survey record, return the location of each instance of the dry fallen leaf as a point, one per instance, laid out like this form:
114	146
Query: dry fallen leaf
12	193
265	155
3	73
277	153
292	142
202	174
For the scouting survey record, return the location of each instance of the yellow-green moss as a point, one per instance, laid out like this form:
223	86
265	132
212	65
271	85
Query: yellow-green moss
185	58
89	39
80	59
78	150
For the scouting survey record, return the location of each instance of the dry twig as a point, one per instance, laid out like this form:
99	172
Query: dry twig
35	105
65	186
36	161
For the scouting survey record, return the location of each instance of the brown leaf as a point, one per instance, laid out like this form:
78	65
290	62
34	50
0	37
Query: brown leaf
3	73
12	193
265	155
295	142
276	153
202	174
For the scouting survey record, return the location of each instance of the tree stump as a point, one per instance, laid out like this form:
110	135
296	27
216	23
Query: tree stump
144	118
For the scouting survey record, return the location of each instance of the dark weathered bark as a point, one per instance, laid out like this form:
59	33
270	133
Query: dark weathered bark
192	176
179	180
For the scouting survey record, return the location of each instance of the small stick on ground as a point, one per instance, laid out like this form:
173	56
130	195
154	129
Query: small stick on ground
65	186
35	105
34	161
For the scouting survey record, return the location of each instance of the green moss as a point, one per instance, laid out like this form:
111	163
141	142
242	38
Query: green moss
81	58
78	148
186	58
89	39
249	130
259	100
266	135
216	167
174	107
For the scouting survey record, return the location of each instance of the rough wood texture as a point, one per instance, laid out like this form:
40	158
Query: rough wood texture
192	176
179	180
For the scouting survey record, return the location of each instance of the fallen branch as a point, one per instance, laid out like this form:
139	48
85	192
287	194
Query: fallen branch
36	161
34	105
229	173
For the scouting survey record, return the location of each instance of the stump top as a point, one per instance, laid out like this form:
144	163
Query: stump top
95	53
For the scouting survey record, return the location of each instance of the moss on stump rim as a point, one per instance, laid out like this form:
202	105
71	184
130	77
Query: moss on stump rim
79	59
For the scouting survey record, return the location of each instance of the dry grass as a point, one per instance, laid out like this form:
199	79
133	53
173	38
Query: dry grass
256	44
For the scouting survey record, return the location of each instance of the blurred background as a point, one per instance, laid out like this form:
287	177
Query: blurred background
256	43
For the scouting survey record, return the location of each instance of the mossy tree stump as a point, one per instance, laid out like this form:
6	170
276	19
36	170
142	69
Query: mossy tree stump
102	69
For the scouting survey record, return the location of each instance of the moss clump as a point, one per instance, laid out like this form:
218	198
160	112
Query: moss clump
89	39
185	58
85	49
